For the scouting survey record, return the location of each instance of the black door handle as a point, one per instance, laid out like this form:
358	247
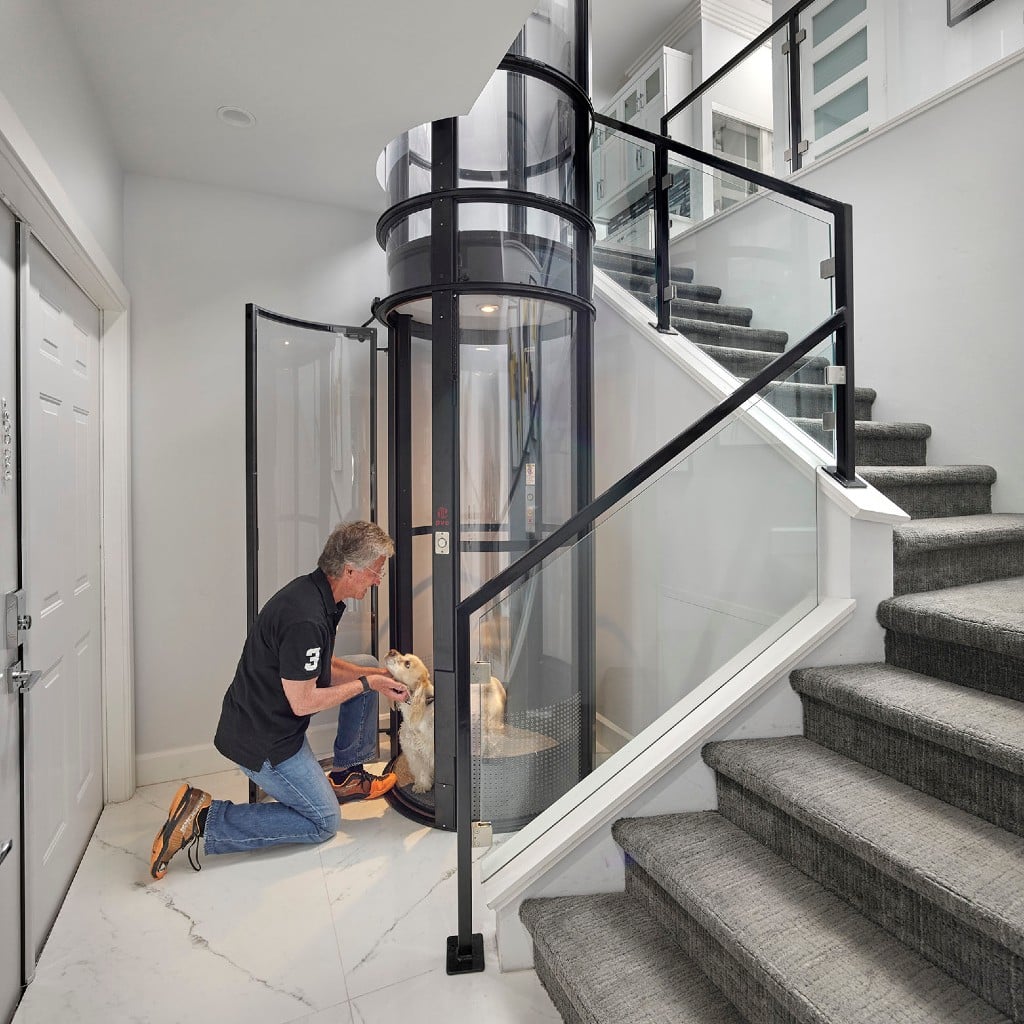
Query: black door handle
6	849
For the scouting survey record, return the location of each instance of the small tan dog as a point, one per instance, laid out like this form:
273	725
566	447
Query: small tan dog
416	734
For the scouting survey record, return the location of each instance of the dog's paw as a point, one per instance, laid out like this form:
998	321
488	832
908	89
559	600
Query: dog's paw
420	788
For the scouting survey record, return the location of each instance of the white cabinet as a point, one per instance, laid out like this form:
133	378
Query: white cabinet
621	166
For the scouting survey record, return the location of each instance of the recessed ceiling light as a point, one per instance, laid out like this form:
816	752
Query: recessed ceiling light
488	307
236	117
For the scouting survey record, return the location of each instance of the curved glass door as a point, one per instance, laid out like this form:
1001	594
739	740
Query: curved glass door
310	460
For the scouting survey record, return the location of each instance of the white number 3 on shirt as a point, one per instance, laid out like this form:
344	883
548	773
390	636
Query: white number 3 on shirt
314	659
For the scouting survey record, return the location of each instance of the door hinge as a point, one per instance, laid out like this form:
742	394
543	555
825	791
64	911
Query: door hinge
835	374
828	268
828	421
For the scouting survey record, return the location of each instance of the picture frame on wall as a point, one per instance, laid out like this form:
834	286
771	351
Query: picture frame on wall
957	10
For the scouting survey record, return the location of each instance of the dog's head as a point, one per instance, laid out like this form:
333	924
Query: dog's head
408	669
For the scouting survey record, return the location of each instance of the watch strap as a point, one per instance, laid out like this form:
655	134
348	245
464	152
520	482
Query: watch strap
366	684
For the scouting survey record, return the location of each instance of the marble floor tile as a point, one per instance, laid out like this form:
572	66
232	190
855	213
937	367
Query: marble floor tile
332	934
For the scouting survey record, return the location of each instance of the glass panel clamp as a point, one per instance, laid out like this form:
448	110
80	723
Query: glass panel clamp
835	374
828	268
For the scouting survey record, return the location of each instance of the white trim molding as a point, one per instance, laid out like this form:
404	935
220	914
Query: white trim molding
30	188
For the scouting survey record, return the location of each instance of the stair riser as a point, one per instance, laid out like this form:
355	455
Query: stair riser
891	452
1000	674
928	502
748	990
745	368
812	404
638	266
956	567
711	336
720	315
975	960
640	286
554	990
977	787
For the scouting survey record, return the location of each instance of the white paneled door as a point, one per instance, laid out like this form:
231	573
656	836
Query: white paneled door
61	576
10	729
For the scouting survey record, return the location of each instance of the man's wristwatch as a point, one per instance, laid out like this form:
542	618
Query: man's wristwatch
366	684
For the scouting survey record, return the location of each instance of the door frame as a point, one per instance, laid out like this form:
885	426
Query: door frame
29	187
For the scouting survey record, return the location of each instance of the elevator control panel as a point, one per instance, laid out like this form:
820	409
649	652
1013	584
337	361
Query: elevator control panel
441	542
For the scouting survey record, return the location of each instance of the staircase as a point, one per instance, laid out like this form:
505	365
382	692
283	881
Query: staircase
870	871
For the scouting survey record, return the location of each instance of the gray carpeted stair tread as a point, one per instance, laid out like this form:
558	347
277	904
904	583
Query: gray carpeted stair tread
693	309
824	391
988	616
926	492
636	263
731	335
928	475
878	443
639	283
820	960
749	362
957	532
968	867
953	551
977	725
616	965
911	431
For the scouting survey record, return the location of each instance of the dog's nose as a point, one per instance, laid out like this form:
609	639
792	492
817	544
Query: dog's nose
392	653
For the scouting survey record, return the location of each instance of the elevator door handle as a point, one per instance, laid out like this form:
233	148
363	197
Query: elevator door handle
6	849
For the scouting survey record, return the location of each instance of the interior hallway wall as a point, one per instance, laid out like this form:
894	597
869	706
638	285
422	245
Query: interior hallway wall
937	215
42	79
195	255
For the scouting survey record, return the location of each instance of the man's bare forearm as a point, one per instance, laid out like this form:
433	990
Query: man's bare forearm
347	671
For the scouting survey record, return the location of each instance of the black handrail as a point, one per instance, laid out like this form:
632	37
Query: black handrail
720	163
642	472
752	47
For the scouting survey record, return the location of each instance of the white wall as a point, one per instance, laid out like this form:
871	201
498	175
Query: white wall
937	213
42	79
194	256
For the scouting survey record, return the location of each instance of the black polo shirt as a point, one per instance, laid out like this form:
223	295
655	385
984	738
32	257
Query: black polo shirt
292	638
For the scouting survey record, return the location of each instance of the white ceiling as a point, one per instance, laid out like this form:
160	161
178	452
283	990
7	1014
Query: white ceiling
330	82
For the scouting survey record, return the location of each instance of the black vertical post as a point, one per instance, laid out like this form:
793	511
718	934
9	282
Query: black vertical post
445	463
662	268
400	492
371	340
583	409
453	775
795	116
252	542
845	470
516	139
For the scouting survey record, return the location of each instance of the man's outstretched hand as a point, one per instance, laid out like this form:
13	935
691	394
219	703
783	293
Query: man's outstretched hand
390	688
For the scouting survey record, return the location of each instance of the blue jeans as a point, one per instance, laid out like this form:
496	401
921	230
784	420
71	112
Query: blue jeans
307	807
356	739
306	810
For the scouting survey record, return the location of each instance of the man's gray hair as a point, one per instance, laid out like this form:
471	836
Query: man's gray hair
357	544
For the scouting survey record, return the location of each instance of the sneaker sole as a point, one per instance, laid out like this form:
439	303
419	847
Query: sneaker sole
364	796
157	865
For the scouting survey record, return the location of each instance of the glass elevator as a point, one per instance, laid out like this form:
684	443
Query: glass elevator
489	240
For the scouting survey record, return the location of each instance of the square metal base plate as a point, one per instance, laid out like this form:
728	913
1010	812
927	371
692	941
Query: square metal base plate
465	963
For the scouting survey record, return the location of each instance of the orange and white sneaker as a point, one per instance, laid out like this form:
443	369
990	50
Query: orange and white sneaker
360	784
180	830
